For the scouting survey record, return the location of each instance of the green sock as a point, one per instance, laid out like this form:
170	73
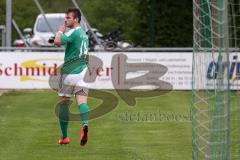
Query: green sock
84	112
63	118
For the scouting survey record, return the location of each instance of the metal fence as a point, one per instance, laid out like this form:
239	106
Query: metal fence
61	49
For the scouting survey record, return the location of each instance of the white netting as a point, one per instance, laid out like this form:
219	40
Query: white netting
216	117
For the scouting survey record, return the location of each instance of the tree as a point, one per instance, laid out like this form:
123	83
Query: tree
172	19
107	16
173	22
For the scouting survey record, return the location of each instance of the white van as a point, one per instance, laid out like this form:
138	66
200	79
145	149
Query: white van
42	31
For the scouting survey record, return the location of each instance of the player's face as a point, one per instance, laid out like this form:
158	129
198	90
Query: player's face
69	20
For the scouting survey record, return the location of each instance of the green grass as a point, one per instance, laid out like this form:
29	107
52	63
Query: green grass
29	129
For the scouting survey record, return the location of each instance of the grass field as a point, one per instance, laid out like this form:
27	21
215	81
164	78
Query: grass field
29	129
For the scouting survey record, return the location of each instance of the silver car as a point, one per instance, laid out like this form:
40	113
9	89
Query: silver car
43	29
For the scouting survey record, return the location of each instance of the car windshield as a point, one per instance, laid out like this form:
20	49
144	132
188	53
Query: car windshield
54	22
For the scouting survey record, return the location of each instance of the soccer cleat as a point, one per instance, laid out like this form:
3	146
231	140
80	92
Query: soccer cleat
64	141
84	135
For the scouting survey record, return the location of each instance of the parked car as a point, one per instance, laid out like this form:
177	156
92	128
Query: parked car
43	30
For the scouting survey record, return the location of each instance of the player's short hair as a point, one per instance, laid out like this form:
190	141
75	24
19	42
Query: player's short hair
76	12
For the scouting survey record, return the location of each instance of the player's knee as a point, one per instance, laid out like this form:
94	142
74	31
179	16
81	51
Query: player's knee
81	99
65	100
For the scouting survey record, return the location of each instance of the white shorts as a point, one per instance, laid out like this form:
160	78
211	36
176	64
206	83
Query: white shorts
72	84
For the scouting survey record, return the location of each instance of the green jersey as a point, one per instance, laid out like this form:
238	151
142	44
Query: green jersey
75	59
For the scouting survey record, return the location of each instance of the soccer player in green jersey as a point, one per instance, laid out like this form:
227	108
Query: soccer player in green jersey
72	73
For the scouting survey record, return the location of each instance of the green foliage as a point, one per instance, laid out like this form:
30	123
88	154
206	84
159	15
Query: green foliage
2	12
172	19
107	16
173	23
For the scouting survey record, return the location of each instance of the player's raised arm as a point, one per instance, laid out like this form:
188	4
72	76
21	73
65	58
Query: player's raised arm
57	39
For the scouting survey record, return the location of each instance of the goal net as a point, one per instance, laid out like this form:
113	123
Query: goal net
215	100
